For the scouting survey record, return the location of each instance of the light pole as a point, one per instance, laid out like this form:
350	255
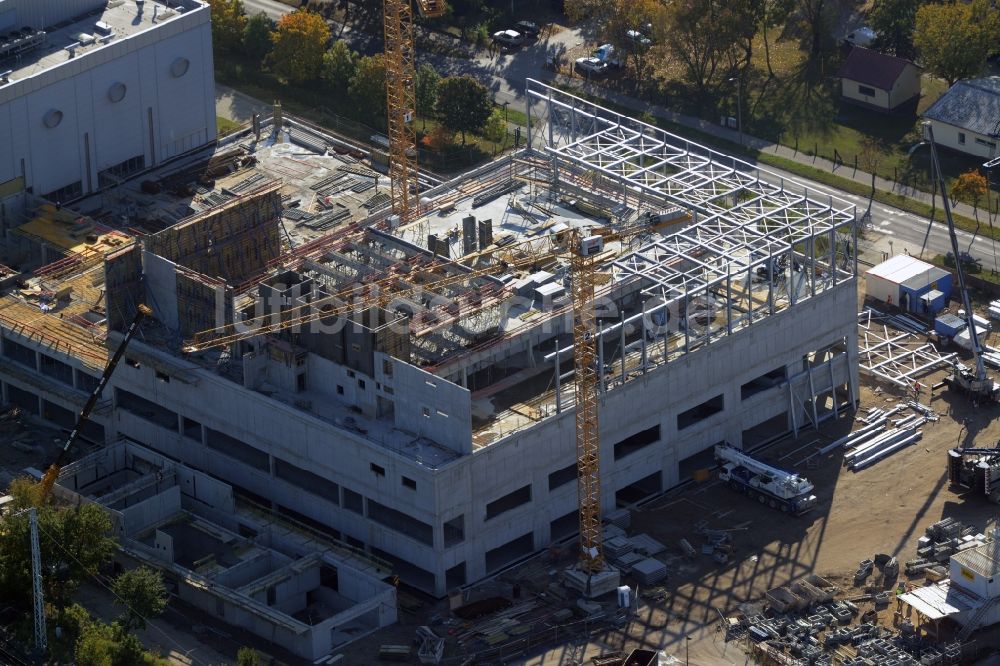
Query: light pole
739	104
505	110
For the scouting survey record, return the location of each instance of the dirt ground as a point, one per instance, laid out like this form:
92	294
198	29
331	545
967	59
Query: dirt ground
882	509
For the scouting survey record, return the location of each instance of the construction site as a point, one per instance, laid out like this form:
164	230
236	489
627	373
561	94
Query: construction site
406	387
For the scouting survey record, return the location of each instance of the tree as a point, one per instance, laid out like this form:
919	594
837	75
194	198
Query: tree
495	127
228	21
247	657
773	13
142	594
74	543
894	22
464	104
954	39
701	36
257	42
971	187
95	645
816	14
299	42
367	87
339	65
426	85
871	155
623	19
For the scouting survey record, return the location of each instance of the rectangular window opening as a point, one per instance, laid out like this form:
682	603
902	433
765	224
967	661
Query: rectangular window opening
454	531
378	469
162	376
561	477
639	440
508	502
699	413
762	383
409	483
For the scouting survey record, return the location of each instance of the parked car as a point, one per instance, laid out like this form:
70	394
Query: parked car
591	66
528	28
638	38
861	37
508	38
606	54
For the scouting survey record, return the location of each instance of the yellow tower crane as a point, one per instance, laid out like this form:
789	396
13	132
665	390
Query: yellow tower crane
400	87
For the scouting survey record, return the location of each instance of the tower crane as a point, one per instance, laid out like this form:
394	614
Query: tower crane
582	250
400	89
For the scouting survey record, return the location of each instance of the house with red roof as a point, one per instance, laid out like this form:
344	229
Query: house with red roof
878	81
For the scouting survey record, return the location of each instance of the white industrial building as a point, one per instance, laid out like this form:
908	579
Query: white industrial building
92	91
438	433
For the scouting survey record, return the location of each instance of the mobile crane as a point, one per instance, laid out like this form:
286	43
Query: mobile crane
52	473
973	381
768	485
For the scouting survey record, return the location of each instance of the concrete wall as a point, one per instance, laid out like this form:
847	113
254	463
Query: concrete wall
161	288
431	406
160	116
146	513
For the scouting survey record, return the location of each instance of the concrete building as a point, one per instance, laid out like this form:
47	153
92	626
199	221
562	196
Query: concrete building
434	428
965	117
283	582
92	91
878	81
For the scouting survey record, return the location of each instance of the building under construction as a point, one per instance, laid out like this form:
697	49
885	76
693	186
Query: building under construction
421	407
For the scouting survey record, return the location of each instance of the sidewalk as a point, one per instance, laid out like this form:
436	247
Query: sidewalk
732	136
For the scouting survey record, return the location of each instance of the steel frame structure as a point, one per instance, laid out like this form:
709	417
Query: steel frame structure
896	357
758	243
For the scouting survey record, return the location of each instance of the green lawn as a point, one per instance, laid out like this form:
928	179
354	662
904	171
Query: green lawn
226	126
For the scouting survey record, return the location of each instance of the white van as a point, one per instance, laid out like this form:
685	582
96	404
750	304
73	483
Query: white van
861	37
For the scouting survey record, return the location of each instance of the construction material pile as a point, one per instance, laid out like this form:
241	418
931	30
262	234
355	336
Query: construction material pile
881	435
940	541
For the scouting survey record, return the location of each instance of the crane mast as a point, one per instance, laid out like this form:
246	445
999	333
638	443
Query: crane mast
587	424
400	91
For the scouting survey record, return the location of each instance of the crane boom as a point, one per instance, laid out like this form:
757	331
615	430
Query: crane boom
52	473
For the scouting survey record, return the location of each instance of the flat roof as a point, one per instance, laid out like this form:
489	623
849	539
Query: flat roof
941	600
125	19
906	271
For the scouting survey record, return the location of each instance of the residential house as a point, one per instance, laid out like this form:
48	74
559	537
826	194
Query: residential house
878	81
967	117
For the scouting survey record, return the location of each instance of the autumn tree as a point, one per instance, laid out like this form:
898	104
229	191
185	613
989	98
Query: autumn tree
869	158
299	43
464	104
247	657
894	22
367	87
228	21
257	37
426	90
954	39
971	187
495	127
623	19
339	65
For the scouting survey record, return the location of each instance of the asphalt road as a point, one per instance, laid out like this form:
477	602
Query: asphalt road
272	8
